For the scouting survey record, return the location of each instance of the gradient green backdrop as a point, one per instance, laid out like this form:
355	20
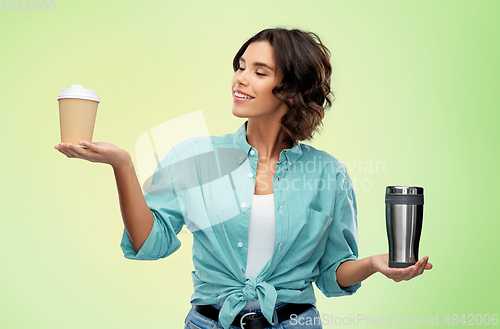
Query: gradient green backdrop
416	91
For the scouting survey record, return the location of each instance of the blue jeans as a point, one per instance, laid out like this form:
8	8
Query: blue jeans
309	319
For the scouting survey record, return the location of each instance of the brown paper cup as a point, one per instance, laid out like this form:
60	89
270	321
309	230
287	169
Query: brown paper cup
77	119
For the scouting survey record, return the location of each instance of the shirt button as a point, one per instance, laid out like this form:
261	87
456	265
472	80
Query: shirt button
279	247
240	244
281	208
289	163
243	204
252	152
250	175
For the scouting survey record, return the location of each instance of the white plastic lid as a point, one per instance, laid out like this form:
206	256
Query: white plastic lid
77	91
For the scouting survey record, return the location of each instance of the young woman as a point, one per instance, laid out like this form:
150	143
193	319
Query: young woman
269	215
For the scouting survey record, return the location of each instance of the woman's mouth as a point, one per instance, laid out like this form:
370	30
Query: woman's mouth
239	95
241	98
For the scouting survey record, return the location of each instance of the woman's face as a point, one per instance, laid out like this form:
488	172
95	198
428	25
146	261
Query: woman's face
256	79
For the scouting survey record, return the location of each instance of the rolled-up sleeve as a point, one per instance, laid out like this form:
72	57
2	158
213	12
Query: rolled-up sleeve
168	219
342	243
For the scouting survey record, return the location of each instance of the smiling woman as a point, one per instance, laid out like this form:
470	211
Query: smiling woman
253	85
297	64
261	234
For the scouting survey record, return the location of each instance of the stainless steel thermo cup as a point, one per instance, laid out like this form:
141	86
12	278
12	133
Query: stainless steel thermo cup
404	209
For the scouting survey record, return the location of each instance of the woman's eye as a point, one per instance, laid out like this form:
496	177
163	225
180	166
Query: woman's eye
258	73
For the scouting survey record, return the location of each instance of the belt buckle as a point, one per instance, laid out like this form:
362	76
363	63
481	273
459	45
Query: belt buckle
243	317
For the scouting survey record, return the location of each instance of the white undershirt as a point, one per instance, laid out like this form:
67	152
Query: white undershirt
260	239
260	234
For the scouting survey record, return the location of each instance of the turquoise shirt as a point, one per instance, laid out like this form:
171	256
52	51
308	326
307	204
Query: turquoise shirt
208	183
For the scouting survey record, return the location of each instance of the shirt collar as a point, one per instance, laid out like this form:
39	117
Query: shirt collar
240	141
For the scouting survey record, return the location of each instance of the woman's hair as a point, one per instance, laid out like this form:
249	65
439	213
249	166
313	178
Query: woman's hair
305	64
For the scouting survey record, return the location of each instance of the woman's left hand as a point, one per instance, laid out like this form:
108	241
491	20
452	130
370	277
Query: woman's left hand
380	264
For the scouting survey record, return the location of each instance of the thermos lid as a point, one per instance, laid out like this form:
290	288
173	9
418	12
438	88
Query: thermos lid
404	195
404	190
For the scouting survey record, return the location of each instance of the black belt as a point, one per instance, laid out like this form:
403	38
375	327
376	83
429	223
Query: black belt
251	320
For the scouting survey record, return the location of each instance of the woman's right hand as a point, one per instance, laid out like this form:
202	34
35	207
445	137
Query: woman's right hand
96	152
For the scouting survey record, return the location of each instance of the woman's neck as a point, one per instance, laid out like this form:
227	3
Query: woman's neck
268	137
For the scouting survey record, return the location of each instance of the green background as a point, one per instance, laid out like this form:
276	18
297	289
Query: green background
416	92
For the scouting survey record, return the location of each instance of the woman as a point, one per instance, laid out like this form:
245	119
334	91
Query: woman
268	214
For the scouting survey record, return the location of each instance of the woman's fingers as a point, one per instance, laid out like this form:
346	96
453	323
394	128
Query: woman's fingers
405	276
426	265
86	153
419	268
398	274
422	266
73	151
95	152
91	146
401	277
63	148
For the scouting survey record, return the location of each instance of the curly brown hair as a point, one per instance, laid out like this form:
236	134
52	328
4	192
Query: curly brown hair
305	64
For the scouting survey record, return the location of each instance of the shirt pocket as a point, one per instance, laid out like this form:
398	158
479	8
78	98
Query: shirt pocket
310	240
320	218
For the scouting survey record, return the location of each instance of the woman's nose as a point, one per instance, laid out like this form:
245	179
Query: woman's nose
240	78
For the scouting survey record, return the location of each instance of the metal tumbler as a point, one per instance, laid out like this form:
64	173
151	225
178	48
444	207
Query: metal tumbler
404	209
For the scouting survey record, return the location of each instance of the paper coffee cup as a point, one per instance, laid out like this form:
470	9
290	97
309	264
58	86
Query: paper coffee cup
77	114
